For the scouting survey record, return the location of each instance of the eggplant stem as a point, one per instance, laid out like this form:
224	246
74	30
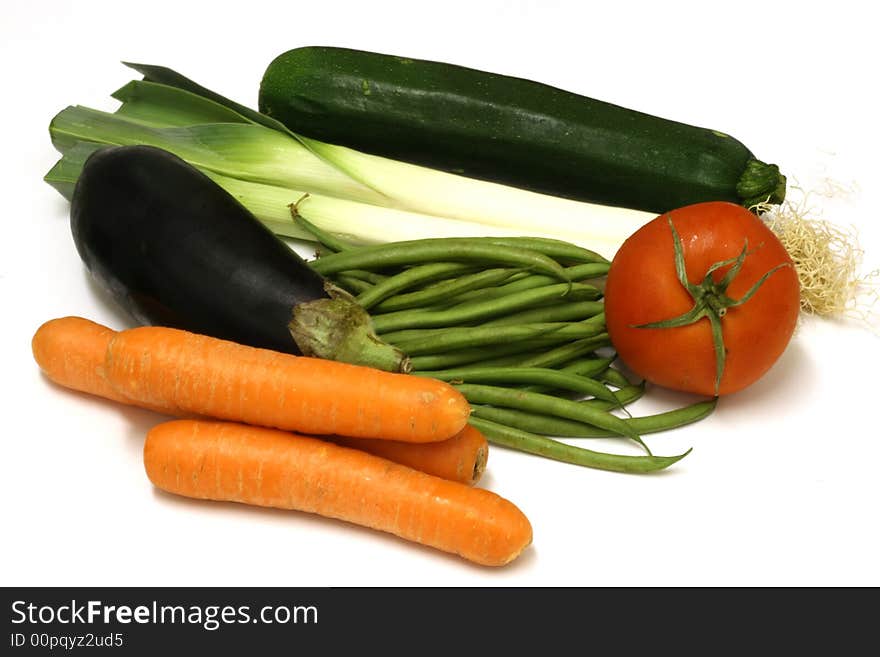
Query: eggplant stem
338	328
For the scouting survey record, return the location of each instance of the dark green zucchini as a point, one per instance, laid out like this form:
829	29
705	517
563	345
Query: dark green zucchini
510	130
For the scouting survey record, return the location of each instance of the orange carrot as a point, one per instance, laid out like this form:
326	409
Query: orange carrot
197	374
233	462
462	458
71	352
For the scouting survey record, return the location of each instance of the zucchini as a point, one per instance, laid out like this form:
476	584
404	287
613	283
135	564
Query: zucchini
510	130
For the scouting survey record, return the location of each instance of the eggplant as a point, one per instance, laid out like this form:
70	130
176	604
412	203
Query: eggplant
175	249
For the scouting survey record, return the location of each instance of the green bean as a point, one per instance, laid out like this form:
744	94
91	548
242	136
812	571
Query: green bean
452	339
624	396
545	425
547	404
675	418
470	336
554	426
410	334
379	299
542	376
527	281
615	378
467	356
581	272
362	274
478	311
558	312
549	358
351	284
458	249
593	367
590	367
556	249
569	331
512	359
586	367
326	239
518	355
524	441
566	352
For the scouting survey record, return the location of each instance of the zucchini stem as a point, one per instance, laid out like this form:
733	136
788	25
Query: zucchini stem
761	183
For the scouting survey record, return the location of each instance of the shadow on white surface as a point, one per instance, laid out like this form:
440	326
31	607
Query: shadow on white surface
793	375
789	377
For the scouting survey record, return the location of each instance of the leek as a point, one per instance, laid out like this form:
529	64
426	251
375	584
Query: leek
357	197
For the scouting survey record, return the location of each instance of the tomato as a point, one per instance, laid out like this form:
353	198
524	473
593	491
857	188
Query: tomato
642	287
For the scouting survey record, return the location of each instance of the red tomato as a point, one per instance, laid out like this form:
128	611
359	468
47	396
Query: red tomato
642	287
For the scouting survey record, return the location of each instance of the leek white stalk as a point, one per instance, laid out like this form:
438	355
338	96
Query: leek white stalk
420	189
351	221
371	224
359	197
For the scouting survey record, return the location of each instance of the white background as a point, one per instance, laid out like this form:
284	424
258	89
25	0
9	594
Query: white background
782	485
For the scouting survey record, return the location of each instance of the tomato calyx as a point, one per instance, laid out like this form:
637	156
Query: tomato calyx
710	297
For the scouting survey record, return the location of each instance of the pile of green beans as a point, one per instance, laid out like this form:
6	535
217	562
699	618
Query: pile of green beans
517	326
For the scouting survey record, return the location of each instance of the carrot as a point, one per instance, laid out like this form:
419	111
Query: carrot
233	462
201	375
71	351
462	458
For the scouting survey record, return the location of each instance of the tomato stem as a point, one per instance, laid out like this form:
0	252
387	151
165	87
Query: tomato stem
710	297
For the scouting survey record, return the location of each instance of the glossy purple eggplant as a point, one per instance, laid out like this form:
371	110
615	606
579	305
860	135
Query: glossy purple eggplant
175	249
